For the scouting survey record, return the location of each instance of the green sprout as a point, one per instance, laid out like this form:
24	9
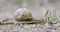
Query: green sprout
46	14
46	19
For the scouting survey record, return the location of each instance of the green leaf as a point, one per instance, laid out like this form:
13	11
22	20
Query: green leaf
47	12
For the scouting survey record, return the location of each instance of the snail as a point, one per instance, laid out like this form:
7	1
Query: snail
22	14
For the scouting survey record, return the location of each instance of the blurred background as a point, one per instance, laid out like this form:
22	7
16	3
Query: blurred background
37	7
